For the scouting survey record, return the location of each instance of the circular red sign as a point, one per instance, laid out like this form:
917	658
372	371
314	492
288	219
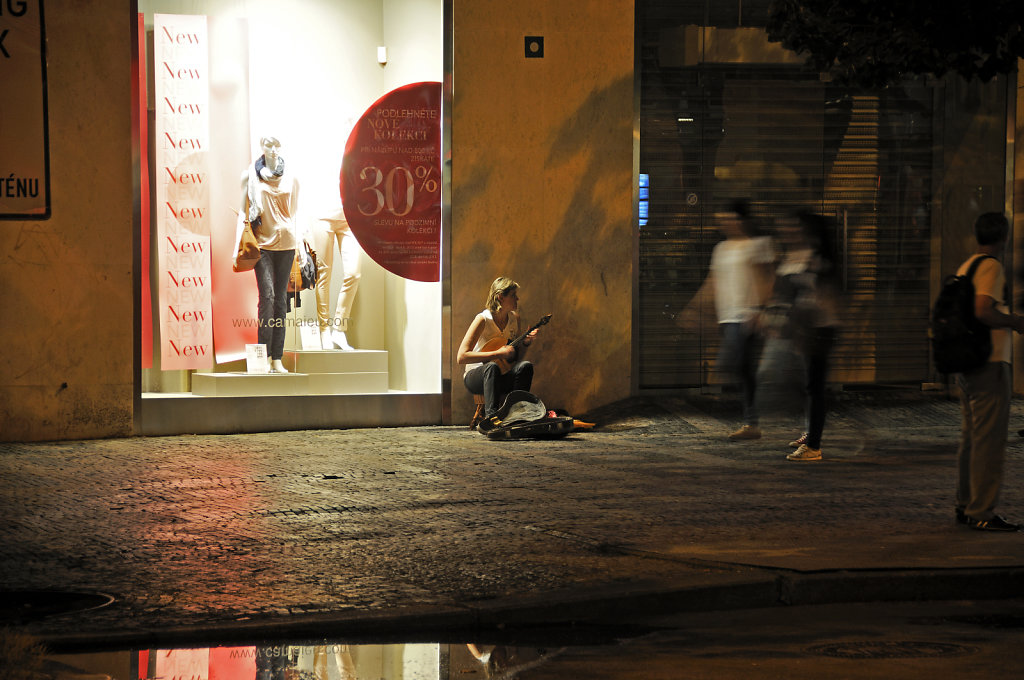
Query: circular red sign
391	181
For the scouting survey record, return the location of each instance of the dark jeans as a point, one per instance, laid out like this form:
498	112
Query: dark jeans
489	381
272	272
738	356
816	355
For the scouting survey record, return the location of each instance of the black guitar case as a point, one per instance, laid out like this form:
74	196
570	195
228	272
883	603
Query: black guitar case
523	416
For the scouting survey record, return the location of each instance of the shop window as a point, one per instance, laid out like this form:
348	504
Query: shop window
254	106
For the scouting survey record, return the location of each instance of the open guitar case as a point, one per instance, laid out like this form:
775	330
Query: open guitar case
523	416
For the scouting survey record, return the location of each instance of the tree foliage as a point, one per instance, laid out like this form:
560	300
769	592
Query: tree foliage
875	43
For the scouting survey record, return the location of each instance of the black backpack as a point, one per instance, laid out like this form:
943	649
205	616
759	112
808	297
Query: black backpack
960	342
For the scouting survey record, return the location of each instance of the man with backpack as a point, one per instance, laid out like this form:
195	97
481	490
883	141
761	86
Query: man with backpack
985	391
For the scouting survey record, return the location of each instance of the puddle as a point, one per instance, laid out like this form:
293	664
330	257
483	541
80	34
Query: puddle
325	661
892	640
21	606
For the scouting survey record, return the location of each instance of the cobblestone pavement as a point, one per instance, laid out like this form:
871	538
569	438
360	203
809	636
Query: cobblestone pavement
231	532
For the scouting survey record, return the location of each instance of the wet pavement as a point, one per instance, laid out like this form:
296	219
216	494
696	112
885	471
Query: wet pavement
897	641
416	533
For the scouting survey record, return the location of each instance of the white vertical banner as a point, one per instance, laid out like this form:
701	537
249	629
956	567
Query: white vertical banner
182	138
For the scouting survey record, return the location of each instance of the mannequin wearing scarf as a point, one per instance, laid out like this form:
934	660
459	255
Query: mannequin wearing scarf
270	197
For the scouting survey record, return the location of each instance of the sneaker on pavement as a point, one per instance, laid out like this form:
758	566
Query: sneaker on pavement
996	523
802	439
805	452
746	432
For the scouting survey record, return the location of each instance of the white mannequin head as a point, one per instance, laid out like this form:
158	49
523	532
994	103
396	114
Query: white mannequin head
271	151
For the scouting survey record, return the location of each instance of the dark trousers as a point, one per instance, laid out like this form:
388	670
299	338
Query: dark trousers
816	356
738	356
489	381
272	272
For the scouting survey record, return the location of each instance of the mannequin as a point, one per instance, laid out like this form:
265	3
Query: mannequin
333	229
270	199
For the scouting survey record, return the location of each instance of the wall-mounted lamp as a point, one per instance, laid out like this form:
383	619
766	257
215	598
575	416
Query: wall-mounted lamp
382	55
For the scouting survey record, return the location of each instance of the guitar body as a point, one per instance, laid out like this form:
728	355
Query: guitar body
495	344
498	342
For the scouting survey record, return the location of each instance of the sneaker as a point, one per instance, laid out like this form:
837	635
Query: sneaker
961	517
996	523
802	439
805	452
746	432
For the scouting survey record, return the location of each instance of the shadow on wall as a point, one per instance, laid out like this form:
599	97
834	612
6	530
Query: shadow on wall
567	237
597	236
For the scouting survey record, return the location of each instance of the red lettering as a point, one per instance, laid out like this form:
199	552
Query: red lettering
188	350
185	213
182	73
181	109
182	143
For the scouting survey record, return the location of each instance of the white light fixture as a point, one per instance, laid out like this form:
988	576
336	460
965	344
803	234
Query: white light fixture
382	55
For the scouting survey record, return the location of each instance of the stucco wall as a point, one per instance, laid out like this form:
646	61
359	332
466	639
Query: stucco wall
542	186
66	368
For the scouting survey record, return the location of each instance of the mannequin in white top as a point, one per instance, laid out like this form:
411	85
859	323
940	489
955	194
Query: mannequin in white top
270	198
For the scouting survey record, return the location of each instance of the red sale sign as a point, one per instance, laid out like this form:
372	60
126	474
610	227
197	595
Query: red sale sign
391	181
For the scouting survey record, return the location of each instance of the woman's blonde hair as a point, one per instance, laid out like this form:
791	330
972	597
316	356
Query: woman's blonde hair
501	286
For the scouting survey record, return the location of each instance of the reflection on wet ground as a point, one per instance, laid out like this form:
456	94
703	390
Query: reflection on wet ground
894	640
324	661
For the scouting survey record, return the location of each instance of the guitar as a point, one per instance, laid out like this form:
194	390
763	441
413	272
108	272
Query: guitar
499	342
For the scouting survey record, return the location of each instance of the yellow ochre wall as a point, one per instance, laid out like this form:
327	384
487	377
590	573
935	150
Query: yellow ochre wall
541	191
542	172
66	366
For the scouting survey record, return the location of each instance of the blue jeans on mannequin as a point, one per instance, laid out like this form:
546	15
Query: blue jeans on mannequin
489	381
272	272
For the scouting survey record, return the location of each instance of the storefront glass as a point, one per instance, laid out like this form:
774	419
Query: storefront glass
233	87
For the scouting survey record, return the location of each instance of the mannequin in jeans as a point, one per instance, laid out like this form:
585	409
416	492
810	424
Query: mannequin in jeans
270	198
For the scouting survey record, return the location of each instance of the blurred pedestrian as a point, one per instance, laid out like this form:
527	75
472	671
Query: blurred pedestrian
807	296
741	269
985	392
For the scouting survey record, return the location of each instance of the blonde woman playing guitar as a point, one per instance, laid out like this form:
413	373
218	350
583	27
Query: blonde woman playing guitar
494	347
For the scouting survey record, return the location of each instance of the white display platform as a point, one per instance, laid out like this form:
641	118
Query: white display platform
249	384
161	414
312	372
336	361
357	371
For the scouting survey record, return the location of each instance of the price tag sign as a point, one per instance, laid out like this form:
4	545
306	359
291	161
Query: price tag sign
391	181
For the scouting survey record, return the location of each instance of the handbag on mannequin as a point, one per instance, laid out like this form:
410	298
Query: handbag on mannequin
248	251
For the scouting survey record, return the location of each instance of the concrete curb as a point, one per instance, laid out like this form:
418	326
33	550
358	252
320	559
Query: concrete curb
501	618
